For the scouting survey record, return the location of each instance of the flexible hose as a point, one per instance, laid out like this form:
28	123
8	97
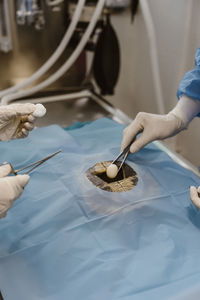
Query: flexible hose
54	57
154	55
65	67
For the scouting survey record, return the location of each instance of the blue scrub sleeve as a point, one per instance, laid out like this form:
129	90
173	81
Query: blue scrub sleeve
190	83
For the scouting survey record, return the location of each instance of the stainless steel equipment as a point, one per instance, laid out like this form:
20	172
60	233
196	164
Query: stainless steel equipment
5	28
32	47
30	11
32	166
123	154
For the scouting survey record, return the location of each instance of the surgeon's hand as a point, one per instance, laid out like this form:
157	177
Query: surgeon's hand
195	196
16	121
11	187
152	127
157	127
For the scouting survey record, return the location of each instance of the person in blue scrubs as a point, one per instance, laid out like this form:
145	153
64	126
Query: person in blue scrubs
157	127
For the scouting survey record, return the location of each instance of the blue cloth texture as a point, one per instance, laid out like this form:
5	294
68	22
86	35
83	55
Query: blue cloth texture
190	83
64	238
77	125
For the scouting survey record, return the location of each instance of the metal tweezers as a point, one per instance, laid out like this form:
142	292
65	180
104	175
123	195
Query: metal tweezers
124	153
33	165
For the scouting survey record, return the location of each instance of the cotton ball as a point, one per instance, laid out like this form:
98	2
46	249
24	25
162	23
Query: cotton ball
39	111
112	171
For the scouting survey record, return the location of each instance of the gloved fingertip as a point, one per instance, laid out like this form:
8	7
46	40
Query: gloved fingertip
125	142
31	118
122	147
28	126
24	109
192	188
19	135
193	192
25	132
133	149
30	107
5	170
23	179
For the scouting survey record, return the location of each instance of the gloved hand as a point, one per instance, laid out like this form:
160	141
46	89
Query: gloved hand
11	187
195	196
158	127
153	127
16	121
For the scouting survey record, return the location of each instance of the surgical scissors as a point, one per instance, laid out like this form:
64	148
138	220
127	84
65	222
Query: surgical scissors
33	165
124	153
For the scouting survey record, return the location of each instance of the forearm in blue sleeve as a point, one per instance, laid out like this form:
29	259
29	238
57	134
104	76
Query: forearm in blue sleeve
190	83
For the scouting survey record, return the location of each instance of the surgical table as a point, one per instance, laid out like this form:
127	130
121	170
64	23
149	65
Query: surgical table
110	237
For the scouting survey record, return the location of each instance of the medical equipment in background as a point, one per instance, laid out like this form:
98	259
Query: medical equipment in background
28	55
69	62
106	48
153	55
49	63
112	60
106	65
91	17
5	31
30	12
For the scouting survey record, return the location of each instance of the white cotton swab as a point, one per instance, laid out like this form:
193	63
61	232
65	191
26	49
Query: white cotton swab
40	111
112	171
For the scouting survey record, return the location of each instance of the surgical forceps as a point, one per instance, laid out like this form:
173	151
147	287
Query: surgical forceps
124	153
32	166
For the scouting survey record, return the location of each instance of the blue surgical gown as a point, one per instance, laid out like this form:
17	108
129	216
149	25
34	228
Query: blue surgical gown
190	83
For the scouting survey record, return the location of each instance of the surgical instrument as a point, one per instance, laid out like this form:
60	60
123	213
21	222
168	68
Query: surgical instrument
32	166
124	153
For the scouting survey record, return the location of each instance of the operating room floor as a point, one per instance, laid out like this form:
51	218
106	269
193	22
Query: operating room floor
66	113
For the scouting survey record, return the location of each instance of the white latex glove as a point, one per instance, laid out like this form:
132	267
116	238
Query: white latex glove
153	127
16	120
157	127
195	196
11	187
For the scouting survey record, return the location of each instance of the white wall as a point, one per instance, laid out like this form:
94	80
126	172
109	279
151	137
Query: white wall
135	90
